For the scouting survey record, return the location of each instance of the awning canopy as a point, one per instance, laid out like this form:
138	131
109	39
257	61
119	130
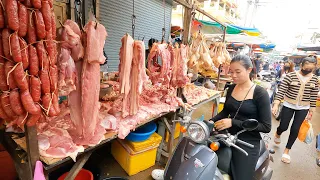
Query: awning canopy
239	38
231	29
309	48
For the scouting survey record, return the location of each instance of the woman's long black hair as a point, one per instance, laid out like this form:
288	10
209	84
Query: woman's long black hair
246	62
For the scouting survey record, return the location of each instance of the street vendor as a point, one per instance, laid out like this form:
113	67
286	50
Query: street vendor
150	43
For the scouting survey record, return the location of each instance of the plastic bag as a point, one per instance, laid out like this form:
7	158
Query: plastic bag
304	128
309	137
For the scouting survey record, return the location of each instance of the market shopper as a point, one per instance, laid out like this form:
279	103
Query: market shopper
299	91
244	101
287	67
150	43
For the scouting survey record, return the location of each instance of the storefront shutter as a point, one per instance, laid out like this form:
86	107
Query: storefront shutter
116	15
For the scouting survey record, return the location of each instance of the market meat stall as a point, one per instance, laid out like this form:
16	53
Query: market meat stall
55	133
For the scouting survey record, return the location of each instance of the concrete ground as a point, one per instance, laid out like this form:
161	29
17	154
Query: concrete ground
303	165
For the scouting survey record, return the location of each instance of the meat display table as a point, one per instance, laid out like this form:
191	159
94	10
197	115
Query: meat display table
23	148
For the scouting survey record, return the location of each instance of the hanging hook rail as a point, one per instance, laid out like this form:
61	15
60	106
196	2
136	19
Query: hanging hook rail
164	22
133	21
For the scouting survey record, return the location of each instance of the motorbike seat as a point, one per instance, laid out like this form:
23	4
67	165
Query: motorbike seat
263	147
224	159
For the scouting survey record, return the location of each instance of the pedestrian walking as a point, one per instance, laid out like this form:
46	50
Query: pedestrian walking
299	91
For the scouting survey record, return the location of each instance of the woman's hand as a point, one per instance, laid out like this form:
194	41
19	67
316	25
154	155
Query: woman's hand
310	113
223	124
275	109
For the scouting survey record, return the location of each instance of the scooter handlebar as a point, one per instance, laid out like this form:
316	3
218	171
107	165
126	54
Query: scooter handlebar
240	149
245	143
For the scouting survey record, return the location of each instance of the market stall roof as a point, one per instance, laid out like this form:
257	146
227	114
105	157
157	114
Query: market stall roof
239	38
312	47
247	30
230	29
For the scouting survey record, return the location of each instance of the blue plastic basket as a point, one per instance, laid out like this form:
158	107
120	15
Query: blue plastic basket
142	133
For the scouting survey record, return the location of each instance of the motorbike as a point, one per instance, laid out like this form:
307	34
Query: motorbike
197	156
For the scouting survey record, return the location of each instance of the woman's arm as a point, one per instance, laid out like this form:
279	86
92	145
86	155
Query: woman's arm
284	85
313	97
224	113
264	110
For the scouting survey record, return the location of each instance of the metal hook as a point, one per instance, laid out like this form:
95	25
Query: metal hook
163	34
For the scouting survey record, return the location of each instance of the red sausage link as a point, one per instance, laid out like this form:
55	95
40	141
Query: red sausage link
32	36
3	114
42	55
55	103
36	3
35	89
5	103
20	77
49	34
23	19
33	119
10	80
3	81
28	103
12	14
1	49
53	74
24	53
51	48
34	61
46	98
15	101
27	3
40	26
54	26
46	12
5	43
15	47
45	81
2	20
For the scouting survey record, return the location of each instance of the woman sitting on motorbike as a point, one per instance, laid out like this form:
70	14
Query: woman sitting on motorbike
254	103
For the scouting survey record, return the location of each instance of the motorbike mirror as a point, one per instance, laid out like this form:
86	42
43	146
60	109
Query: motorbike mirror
250	124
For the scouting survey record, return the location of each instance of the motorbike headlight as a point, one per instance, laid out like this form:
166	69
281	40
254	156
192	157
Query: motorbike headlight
198	131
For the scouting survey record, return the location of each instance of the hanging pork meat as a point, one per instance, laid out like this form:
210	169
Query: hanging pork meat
131	74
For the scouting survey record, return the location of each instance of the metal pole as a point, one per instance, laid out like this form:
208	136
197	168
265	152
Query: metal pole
219	69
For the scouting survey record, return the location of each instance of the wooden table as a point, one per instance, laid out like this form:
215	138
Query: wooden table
23	148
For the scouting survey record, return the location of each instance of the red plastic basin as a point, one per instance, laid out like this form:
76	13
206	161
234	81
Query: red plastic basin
82	175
